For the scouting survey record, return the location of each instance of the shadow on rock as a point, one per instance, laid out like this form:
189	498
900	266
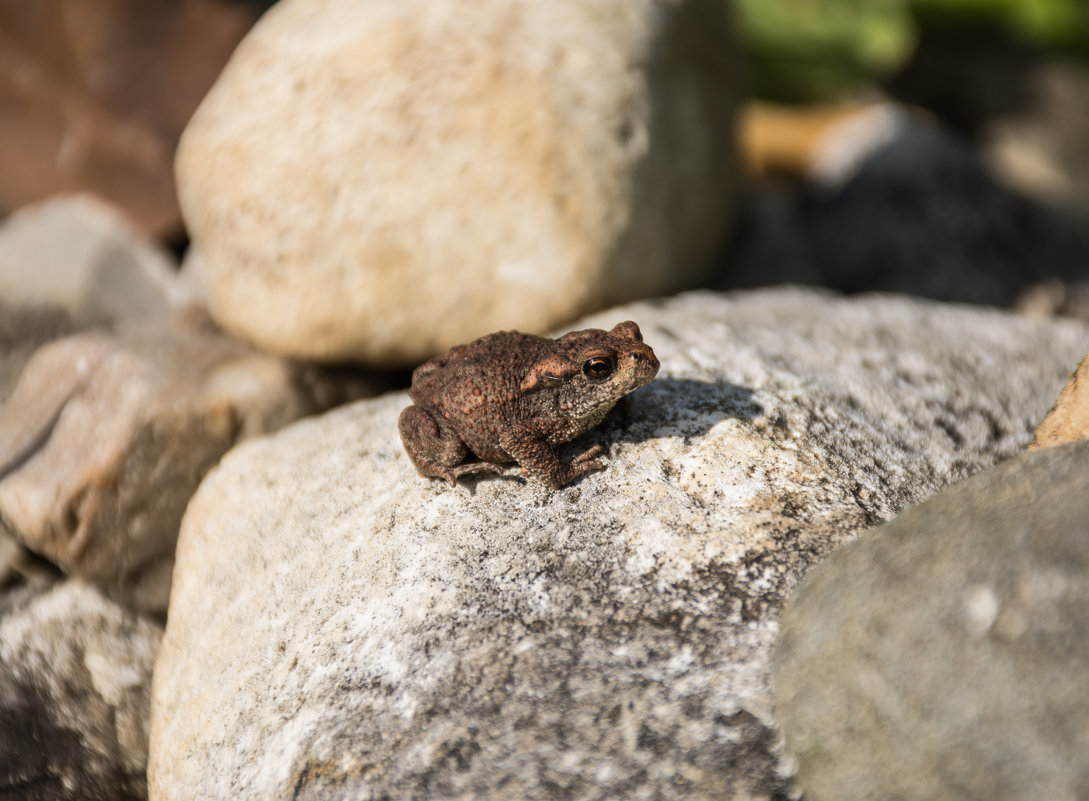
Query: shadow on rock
678	407
665	407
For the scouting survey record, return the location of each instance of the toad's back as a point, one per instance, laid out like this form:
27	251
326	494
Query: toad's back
485	372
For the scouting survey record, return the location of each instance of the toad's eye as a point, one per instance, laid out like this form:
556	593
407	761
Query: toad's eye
597	367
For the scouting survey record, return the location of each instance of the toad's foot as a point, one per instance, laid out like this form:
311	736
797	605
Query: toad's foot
452	474
588	454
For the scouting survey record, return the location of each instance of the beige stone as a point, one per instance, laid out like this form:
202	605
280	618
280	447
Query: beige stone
1068	419
106	437
381	181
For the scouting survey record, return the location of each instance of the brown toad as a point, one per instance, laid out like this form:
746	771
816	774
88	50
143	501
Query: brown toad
509	397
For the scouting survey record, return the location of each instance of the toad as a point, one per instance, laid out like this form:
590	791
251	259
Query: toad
509	397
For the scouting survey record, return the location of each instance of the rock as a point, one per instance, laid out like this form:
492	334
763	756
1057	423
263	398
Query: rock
1040	147
19	566
191	275
106	437
378	182
1024	105
1055	296
22	332
95	95
75	678
80	256
944	655
794	140
892	202
899	205
1068	419
342	628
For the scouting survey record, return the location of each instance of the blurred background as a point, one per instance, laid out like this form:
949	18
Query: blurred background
969	184
937	147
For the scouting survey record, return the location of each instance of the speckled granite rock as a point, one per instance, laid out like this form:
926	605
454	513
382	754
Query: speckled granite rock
342	628
380	181
944	655
75	678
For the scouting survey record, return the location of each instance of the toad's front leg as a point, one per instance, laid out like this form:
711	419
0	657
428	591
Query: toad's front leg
537	458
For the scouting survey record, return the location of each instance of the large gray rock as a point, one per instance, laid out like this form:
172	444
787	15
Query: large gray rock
107	435
944	656
380	181
342	628
75	680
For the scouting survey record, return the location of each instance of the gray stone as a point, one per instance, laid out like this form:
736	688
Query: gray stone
342	628
22	332
107	435
75	680
78	254
380	181
944	655
191	275
891	202
1040	146
920	212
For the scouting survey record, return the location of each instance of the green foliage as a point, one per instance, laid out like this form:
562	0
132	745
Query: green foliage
812	49
1056	24
816	49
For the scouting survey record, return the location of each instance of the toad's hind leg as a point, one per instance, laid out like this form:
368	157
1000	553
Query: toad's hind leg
437	451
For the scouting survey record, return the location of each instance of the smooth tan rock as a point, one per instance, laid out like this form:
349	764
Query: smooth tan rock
381	181
1068	419
342	628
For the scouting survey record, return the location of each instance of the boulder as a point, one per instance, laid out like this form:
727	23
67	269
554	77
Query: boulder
887	200
22	332
80	256
899	204
944	655
107	435
381	181
75	679
342	628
